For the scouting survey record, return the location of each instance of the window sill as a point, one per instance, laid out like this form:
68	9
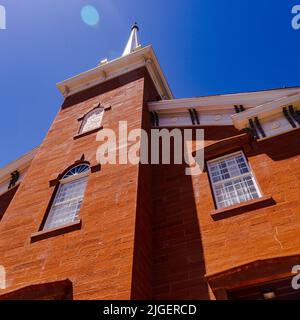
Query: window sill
45	234
87	133
240	208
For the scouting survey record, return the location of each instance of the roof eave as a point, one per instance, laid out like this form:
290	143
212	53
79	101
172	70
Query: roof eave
18	164
142	57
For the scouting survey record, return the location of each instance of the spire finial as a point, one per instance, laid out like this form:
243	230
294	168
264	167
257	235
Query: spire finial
135	26
133	41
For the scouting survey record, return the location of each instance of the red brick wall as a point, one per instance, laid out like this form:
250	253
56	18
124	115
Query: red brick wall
189	243
179	261
265	232
143	254
98	259
179	265
142	261
147	231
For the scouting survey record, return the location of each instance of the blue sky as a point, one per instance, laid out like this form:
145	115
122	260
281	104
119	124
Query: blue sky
204	47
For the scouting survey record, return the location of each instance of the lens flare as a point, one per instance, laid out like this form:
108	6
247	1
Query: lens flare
90	15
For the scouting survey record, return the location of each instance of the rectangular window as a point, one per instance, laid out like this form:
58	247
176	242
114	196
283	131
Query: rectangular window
232	180
67	203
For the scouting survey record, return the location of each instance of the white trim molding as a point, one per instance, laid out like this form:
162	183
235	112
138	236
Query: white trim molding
21	165
141	57
273	118
266	110
220	110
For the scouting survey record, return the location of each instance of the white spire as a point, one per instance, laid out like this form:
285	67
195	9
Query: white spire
133	41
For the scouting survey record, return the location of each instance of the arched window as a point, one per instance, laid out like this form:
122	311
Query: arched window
92	120
67	202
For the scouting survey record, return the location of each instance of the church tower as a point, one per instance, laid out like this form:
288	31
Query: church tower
76	228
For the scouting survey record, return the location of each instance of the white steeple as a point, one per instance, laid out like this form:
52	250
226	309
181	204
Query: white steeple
134	56
133	41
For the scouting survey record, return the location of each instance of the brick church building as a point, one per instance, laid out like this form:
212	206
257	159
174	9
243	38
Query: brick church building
71	228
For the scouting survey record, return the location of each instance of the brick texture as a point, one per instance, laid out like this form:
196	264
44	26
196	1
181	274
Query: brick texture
261	233
98	259
147	231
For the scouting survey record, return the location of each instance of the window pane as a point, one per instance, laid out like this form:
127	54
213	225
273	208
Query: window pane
70	191
232	180
67	203
92	120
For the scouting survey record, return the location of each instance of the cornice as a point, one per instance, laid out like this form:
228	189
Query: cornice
19	164
142	57
220	110
263	111
222	102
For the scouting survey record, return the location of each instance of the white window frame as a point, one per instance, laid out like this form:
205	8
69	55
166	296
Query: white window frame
90	113
247	174
62	182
